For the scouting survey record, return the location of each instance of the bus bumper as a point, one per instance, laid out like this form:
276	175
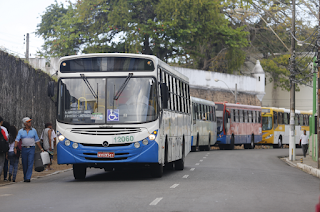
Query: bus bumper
122	154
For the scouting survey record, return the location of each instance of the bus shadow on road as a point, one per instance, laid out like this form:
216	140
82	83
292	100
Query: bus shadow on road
126	174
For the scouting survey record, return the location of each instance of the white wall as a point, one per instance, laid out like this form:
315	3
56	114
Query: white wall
281	98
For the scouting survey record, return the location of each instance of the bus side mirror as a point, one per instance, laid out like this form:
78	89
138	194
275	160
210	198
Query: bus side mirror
51	88
164	95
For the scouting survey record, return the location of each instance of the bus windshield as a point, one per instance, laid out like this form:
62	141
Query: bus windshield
266	122
77	104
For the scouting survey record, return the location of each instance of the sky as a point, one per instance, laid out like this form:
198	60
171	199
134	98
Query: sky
19	17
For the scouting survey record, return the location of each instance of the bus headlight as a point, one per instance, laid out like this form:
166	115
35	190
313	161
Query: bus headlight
67	143
137	145
145	142
269	136
61	137
152	137
75	145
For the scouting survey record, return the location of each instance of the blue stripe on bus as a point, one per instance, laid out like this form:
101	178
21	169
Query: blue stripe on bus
238	139
191	140
124	154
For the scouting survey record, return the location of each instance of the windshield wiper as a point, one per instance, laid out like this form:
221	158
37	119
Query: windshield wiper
123	86
89	86
94	94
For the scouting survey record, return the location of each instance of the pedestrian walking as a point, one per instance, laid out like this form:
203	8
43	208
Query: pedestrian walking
5	166
12	157
304	138
29	138
47	140
4	134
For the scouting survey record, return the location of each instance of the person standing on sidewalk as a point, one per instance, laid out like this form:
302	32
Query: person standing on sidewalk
47	138
304	138
13	158
4	133
29	138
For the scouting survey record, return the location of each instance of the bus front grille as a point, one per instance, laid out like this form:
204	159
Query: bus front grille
105	131
110	145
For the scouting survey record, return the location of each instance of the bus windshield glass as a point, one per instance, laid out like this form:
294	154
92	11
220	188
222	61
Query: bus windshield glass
78	105
106	64
266	122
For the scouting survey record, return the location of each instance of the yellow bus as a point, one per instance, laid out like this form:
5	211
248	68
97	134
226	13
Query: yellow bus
276	126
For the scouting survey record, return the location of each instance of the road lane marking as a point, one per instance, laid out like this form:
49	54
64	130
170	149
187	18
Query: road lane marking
156	201
201	160
185	176
174	186
204	157
197	164
5	195
192	169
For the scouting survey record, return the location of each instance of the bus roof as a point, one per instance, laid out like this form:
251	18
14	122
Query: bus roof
156	60
240	106
201	101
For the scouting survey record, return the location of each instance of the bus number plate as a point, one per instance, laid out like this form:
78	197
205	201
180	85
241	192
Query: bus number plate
105	154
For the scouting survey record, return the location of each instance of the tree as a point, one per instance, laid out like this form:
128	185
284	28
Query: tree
193	32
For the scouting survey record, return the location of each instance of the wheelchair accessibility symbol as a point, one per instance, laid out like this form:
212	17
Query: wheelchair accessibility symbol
113	115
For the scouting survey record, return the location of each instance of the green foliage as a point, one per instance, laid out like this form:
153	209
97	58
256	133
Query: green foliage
278	69
194	32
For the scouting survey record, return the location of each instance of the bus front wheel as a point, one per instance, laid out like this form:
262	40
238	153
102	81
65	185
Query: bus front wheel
79	171
156	170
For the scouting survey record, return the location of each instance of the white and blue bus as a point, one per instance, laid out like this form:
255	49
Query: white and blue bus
121	110
204	124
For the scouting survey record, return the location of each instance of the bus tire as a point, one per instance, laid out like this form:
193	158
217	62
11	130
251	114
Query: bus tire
208	148
156	170
222	147
79	171
231	145
246	146
179	164
252	145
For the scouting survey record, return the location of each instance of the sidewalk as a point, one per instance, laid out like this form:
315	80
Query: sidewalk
307	164
56	169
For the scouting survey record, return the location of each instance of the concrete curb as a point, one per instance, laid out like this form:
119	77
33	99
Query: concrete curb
306	168
290	163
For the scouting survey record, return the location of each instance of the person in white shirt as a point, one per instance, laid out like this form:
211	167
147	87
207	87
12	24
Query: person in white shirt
304	138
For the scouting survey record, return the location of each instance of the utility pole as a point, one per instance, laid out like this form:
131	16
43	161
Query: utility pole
235	92
292	144
27	47
318	66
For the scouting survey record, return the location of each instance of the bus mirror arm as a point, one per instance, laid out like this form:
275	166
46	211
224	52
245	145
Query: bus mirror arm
164	95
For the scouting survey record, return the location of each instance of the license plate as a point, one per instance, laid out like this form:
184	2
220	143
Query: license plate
105	154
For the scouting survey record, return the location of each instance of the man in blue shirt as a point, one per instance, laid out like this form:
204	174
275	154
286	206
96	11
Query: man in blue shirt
29	138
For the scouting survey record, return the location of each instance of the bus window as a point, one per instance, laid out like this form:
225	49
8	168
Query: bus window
275	120
243	116
234	115
301	120
285	118
259	117
246	119
194	111
296	120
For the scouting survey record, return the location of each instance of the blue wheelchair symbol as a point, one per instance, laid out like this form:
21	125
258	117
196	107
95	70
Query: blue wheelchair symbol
113	115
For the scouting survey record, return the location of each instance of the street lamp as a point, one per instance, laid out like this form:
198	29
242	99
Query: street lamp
242	12
234	93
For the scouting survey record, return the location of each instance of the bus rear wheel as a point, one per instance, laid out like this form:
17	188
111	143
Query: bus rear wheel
179	164
208	148
79	171
252	145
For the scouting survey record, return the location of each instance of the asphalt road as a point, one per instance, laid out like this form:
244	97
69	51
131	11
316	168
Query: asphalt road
230	180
